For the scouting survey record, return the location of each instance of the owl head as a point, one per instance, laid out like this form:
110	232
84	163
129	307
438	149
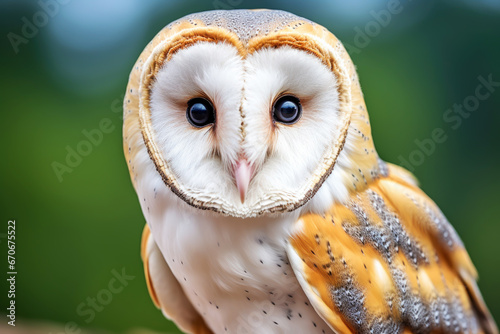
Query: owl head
247	112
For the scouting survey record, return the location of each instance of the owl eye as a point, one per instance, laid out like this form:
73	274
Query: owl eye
200	112
287	109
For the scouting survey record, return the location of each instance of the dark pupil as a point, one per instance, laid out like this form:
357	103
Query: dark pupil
288	111
199	113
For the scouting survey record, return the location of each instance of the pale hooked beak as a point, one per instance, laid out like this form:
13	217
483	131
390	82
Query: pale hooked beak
243	173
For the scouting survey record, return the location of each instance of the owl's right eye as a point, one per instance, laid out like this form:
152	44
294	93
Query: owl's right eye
200	112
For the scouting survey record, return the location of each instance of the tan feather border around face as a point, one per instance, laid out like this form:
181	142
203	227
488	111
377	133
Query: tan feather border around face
280	202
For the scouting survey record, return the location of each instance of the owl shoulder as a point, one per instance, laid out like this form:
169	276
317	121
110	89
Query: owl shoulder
388	261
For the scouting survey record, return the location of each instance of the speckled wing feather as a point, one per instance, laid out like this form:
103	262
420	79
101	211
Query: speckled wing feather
165	290
388	262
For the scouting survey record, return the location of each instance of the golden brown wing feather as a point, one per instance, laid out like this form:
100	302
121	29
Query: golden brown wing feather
388	262
165	290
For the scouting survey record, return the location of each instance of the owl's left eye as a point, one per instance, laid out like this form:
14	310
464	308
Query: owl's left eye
287	109
200	112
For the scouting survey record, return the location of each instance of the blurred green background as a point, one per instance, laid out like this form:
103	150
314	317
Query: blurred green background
70	73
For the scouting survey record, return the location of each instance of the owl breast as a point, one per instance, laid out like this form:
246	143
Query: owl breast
235	272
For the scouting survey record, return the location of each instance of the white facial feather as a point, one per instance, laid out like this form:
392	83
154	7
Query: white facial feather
199	156
287	154
243	92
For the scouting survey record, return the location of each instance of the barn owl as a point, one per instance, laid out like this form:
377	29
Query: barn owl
268	209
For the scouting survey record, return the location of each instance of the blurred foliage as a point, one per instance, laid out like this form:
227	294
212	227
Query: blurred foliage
72	234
